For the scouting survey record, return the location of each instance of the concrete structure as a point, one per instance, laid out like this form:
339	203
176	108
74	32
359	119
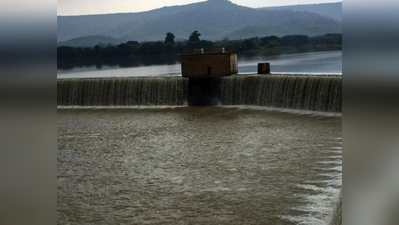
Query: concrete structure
219	50
263	68
198	51
209	65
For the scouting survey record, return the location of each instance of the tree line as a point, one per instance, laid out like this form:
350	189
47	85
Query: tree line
169	46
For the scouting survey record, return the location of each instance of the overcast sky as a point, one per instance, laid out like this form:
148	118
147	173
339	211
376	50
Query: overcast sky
84	7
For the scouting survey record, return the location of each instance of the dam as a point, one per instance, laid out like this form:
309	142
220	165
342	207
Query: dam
208	147
316	93
131	150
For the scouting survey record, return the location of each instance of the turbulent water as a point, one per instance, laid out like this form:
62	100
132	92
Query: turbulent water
197	165
122	92
320	93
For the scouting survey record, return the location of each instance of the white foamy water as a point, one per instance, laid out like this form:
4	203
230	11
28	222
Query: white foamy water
322	200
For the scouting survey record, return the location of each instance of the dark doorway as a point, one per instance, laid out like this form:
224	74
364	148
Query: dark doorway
203	91
209	70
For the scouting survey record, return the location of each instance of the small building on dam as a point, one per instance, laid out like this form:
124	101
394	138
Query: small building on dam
205	72
216	64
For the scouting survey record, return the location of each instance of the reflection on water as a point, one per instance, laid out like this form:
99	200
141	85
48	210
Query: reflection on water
89	64
197	165
310	62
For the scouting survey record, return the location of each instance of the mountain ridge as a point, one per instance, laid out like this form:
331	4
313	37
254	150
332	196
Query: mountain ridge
332	10
215	19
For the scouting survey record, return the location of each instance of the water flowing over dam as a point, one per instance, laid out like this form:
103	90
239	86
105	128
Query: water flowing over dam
319	93
199	165
295	92
122	91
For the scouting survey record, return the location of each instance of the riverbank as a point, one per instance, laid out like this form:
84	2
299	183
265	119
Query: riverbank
256	44
302	49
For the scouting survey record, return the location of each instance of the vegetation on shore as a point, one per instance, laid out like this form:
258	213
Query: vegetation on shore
169	46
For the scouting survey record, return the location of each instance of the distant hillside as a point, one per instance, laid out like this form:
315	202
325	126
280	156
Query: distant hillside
215	19
89	41
331	10
308	26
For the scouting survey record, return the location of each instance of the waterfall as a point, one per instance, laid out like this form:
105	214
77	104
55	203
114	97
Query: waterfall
122	91
319	93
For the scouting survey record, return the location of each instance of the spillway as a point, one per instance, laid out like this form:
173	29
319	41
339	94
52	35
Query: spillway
319	93
122	91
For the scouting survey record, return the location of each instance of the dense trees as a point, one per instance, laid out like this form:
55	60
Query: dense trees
295	40
168	47
170	38
251	44
271	42
194	37
328	39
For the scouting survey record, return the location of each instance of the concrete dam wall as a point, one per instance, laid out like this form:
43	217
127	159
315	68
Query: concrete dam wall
319	93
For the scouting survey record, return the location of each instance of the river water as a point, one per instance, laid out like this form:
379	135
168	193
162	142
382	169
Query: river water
329	62
197	165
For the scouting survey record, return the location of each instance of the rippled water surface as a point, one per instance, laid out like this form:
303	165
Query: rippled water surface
197	165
